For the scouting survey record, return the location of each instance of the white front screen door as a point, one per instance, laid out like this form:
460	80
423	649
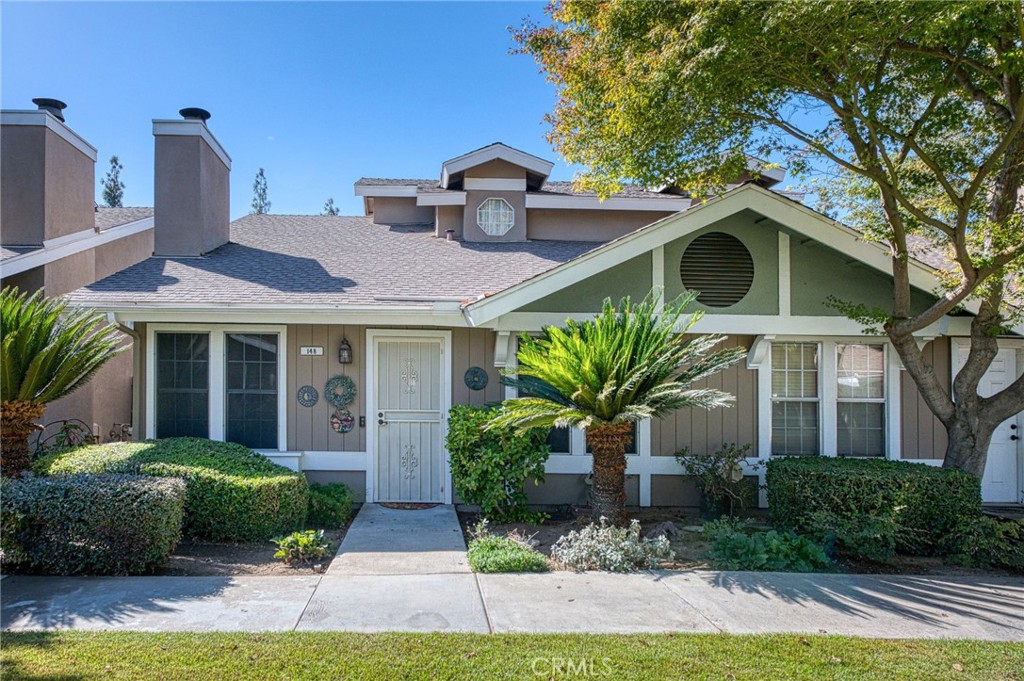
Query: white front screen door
408	414
1001	482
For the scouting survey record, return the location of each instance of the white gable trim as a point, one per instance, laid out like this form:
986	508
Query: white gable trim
587	202
387	190
55	249
783	211
449	198
489	153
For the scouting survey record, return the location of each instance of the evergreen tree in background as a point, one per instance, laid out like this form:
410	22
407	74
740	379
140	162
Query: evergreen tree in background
330	208
113	187
260	202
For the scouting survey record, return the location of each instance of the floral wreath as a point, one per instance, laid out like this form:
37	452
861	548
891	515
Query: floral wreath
340	391
342	422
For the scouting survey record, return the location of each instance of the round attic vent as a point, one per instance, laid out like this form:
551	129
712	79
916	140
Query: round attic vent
719	266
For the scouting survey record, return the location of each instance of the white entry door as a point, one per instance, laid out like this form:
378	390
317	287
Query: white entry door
1001	481
408	415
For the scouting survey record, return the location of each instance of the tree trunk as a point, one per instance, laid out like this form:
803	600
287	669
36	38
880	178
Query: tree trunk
608	443
969	440
17	422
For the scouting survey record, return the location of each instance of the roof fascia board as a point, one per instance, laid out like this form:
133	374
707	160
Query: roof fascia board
191	128
51	122
489	153
750	196
387	190
449	198
365	315
50	253
615	203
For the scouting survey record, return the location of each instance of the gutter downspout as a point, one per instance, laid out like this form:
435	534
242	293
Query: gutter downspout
136	368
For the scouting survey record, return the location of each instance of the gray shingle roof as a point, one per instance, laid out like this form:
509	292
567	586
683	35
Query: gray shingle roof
297	260
112	217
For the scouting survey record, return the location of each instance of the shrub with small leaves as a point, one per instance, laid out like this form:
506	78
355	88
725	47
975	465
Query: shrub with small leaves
983	541
93	524
733	547
330	505
302	547
609	548
232	492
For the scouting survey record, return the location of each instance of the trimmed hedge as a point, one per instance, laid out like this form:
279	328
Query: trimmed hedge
330	505
233	493
90	524
869	507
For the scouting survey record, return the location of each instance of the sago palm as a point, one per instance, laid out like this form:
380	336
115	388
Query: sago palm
628	364
47	351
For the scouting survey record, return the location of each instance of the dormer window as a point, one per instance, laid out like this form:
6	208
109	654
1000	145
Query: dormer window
495	217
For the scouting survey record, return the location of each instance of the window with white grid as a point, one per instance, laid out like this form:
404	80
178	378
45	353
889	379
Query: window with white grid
495	217
795	400
860	399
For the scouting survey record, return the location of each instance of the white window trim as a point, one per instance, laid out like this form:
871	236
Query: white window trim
218	368
508	205
577	461
828	393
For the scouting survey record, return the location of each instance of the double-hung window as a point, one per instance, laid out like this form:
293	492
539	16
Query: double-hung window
796	404
182	385
252	389
860	400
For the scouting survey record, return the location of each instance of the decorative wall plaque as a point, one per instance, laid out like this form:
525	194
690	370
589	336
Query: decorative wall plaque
307	396
476	378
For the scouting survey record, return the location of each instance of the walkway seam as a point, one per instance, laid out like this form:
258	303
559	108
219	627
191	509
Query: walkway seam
308	601
483	603
691	605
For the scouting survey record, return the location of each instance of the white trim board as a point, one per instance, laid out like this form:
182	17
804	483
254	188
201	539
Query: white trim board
492	152
372	336
50	122
87	239
585	202
386	190
781	210
447	198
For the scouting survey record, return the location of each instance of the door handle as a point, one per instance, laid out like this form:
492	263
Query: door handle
1014	437
381	422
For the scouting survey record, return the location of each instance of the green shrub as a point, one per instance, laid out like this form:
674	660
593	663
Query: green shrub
304	547
983	541
330	505
733	548
863	506
511	553
90	524
719	476
490	467
232	493
609	548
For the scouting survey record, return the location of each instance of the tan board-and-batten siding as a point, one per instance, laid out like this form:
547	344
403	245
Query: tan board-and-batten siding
923	435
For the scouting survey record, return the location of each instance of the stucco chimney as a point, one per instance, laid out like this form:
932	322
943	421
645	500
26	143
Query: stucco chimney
191	186
47	188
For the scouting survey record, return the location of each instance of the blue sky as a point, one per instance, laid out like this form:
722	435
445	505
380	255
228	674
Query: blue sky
318	94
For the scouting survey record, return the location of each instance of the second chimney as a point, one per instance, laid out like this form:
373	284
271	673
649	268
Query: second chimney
191	187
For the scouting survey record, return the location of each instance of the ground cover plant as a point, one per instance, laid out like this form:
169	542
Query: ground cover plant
232	492
734	547
606	547
510	552
303	548
139	656
90	523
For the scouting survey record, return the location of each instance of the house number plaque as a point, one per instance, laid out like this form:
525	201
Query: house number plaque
311	350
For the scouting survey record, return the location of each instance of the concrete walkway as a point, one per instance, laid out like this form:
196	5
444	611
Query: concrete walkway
368	588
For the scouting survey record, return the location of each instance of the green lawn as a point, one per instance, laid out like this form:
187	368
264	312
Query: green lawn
220	657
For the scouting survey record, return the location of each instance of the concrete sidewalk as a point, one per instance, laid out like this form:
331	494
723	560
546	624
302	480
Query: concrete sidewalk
879	606
407	571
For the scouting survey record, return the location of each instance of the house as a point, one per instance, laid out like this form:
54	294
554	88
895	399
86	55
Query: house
53	238
420	301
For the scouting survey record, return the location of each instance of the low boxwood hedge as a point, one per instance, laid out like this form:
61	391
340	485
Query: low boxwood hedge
93	524
233	493
330	505
870	507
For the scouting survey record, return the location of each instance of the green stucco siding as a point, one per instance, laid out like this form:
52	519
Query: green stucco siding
761	239
631	278
819	271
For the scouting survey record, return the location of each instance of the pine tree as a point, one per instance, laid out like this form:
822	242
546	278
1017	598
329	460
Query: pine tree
260	202
330	208
113	187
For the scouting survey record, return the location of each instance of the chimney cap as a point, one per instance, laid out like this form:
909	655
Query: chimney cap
194	113
54	106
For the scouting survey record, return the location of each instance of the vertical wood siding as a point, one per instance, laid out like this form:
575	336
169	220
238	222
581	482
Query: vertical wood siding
707	431
923	435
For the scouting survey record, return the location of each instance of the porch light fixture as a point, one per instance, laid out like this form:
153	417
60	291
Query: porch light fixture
344	352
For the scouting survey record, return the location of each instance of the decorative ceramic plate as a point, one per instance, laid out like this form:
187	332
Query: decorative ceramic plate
307	396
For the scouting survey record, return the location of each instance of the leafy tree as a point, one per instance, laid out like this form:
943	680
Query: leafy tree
113	187
330	208
260	202
908	114
48	350
628	364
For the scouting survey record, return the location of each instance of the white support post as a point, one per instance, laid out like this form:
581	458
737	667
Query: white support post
785	283
658	275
